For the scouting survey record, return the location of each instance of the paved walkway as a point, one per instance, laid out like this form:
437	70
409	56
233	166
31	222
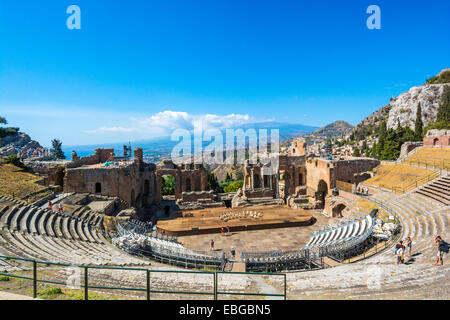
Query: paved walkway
13	296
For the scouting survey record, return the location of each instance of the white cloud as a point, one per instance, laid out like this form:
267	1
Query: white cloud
163	123
111	129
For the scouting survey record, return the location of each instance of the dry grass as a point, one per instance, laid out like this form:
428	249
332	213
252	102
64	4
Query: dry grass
431	157
399	177
367	206
16	180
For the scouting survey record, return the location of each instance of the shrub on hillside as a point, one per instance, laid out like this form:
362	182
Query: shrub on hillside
233	186
444	77
9	131
12	159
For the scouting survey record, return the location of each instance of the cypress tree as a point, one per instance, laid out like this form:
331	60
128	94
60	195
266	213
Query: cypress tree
57	149
418	129
443	114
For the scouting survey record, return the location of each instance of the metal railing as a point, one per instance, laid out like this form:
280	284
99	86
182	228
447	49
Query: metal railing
441	165
412	185
133	239
148	289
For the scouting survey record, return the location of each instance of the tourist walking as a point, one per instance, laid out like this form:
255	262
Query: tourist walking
233	252
49	205
399	251
442	249
409	246
212	245
60	208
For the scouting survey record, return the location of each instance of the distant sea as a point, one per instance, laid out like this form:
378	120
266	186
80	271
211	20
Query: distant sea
156	149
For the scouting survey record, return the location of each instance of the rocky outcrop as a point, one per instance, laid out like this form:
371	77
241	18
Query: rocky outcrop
9	145
404	107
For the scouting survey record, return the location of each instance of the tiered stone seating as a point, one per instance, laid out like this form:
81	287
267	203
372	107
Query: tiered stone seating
438	190
37	233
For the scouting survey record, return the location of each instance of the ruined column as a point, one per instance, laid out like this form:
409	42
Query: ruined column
252	179
277	188
204	180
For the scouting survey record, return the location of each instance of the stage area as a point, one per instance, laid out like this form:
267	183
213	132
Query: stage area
291	238
209	221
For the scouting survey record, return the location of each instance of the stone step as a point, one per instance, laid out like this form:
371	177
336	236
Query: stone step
34	223
438	188
433	196
41	250
80	231
5	220
26	220
72	229
4	209
50	225
22	251
15	219
42	222
87	232
13	250
437	193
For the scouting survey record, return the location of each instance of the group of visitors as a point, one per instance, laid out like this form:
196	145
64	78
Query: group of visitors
32	153
60	207
232	251
222	230
442	248
401	250
362	190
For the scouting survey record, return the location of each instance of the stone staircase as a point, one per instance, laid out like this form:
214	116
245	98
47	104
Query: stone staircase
438	190
32	232
265	201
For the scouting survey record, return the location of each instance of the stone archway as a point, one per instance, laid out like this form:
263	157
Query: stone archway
435	141
188	185
146	187
256	181
132	202
197	183
59	176
337	210
322	191
300	179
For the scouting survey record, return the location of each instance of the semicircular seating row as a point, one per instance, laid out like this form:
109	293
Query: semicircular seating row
29	231
350	230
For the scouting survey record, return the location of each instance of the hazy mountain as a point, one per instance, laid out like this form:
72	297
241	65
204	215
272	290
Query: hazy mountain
157	149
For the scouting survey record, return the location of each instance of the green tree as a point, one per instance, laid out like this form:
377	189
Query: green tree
443	114
213	182
233	186
418	127
356	152
168	185
57	149
3	120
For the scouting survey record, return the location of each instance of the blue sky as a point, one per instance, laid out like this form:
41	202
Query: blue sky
138	69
